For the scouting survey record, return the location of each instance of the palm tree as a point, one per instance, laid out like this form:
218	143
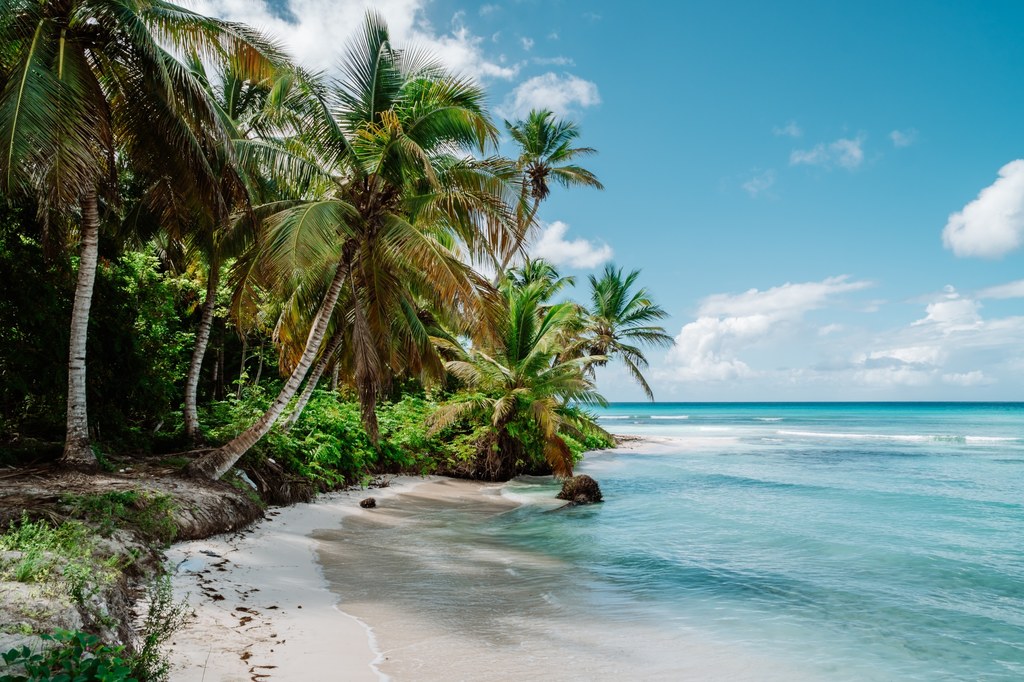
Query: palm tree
546	154
84	83
402	188
519	379
619	321
539	270
253	111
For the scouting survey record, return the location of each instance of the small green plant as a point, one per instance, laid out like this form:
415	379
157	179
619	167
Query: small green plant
73	657
164	617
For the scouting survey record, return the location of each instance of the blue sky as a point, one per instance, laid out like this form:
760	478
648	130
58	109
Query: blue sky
822	195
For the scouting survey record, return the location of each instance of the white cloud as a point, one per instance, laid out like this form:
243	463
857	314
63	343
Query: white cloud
554	61
707	348
973	378
1008	290
527	43
846	153
909	355
788	301
903	138
487	10
316	31
760	183
993	224
561	94
553	247
891	377
791	129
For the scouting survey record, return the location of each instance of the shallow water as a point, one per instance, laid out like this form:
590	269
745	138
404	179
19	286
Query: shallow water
832	542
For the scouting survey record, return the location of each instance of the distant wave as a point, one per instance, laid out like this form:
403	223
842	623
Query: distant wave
670	416
768	419
913	438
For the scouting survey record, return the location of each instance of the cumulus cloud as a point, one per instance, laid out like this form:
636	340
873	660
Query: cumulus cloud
553	247
791	129
951	313
993	224
760	183
315	31
707	349
562	94
903	138
845	153
527	43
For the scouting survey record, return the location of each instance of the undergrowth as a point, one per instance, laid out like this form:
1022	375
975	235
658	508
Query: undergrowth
151	515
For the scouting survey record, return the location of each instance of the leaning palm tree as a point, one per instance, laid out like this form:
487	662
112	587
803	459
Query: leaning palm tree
619	321
546	155
403	186
519	380
87	84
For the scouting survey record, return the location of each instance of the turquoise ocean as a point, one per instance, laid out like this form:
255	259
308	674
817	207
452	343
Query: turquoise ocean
739	541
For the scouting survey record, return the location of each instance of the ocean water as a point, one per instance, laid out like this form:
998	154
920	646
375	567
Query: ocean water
745	541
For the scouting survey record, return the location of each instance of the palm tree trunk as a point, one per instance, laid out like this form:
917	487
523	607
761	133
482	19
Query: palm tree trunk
202	340
311	383
335	371
259	367
216	463
77	452
241	365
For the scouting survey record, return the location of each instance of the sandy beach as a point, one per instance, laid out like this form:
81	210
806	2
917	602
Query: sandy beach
263	608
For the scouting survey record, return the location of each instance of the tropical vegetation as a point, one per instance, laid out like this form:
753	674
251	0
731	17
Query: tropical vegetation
208	231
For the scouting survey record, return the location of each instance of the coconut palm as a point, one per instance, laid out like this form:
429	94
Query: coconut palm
546	155
619	322
403	187
255	113
519	379
539	270
85	84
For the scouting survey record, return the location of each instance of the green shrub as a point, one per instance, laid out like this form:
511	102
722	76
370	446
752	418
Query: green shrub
74	657
163	618
150	514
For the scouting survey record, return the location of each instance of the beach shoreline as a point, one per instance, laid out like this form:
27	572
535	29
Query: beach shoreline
328	590
263	608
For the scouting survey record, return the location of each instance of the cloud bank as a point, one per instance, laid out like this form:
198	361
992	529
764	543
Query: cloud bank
707	349
316	31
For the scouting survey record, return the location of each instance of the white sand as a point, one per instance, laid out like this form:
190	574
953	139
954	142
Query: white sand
263	608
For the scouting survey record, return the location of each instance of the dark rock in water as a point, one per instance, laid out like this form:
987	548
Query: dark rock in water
580	489
368	503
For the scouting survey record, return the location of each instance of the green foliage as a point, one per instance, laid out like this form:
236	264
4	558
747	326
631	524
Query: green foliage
164	617
150	514
72	657
139	343
63	557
